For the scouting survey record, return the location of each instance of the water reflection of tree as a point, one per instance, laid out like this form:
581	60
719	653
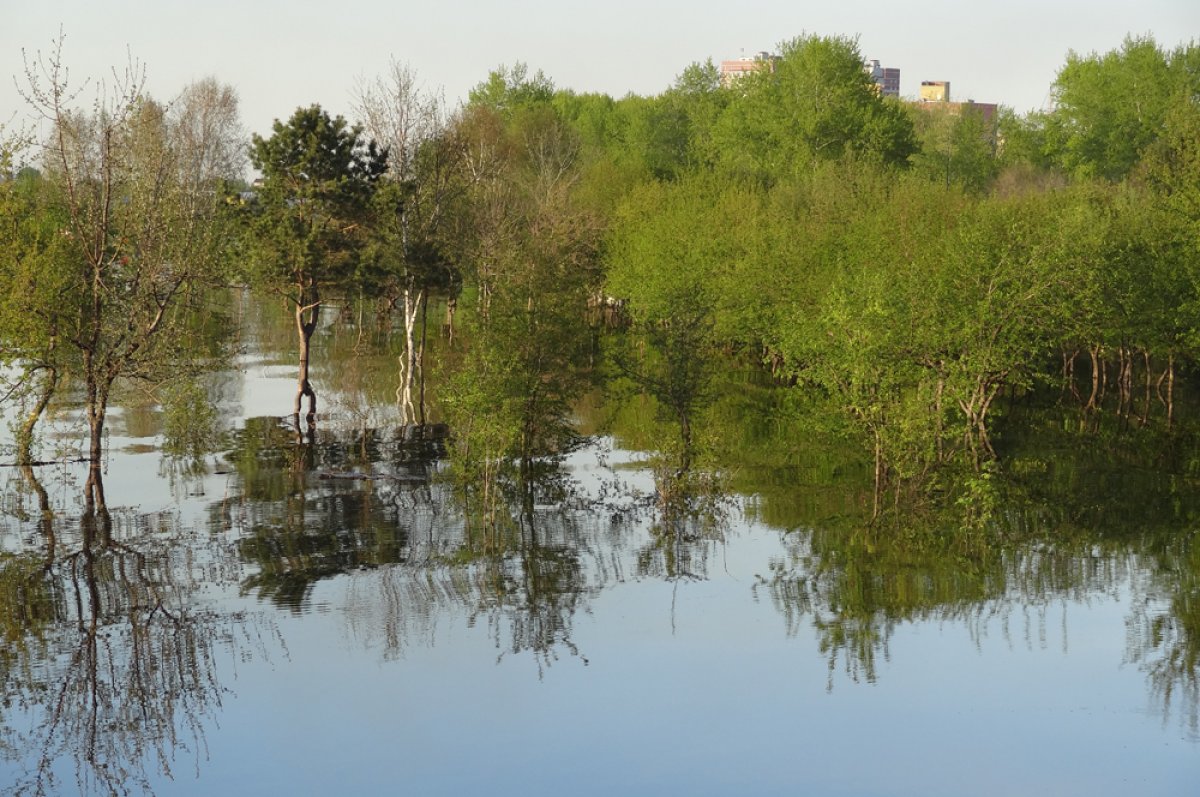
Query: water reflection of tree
327	504
663	391
1125	490
106	659
375	513
527	598
1164	630
531	587
1061	524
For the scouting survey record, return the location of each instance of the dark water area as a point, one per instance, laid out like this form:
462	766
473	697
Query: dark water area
317	611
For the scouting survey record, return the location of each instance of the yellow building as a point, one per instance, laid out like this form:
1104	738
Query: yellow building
935	91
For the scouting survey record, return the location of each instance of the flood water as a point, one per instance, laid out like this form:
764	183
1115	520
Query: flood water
314	614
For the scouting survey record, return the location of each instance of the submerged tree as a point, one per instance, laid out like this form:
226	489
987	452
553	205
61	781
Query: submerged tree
33	271
674	253
308	222
412	210
533	253
131	195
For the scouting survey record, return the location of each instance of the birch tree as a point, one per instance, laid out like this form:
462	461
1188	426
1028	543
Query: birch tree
421	184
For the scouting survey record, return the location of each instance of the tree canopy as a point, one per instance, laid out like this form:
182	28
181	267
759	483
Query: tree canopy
309	219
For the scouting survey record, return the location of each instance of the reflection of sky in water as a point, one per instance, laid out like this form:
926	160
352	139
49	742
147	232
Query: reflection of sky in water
693	689
667	686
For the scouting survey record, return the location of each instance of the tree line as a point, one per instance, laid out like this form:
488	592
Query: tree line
907	265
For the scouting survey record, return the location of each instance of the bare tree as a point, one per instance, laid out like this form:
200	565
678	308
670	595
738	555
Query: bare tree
400	114
209	135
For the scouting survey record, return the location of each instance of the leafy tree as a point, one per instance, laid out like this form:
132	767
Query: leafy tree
670	134
700	99
309	219
411	208
683	248
609	164
1172	164
958	147
132	201
511	88
530	254
1111	108
851	328
34	270
815	103
654	135
679	255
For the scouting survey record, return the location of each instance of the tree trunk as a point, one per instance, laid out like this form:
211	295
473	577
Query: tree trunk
1103	380
306	325
409	360
937	408
1146	411
451	306
981	426
421	360
1120	378
878	475
24	439
685	437
1069	372
1094	354
1170	389
96	435
1126	381
96	509
45	513
97	391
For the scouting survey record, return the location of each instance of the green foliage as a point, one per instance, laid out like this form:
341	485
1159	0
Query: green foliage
190	426
403	248
318	178
509	89
684	249
1110	108
34	268
816	103
957	147
529	249
108	252
671	134
1172	165
509	401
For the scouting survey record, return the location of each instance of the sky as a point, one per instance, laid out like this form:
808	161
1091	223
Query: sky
282	55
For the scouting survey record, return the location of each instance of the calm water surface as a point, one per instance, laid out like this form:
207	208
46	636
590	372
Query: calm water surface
316	617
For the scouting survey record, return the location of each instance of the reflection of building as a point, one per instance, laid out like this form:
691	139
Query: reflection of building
759	62
886	78
935	91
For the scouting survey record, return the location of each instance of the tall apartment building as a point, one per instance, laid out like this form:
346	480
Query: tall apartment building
759	62
886	78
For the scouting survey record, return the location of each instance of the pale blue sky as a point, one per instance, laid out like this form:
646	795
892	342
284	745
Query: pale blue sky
280	55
